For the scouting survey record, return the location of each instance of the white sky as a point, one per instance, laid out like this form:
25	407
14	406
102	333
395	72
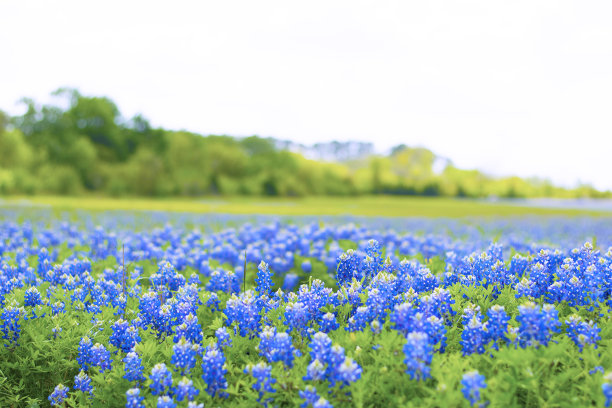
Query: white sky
508	87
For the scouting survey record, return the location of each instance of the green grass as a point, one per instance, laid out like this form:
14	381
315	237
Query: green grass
365	206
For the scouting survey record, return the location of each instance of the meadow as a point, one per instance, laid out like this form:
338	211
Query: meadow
236	302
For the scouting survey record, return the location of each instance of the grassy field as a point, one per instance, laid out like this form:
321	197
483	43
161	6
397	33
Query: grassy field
365	206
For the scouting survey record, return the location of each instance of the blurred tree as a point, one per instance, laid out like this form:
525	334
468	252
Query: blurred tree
83	142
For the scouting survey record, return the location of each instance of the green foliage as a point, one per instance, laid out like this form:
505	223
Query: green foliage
89	145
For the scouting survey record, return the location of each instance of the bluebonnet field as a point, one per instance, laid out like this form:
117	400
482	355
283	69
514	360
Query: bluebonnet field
157	310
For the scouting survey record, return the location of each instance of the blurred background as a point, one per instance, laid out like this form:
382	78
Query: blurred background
294	99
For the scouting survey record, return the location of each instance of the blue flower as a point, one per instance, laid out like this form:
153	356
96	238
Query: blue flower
419	354
245	311
189	329
497	325
124	335
82	382
312	399
582	333
165	402
10	327
161	379
297	316
223	337
473	337
184	356
264	279
213	369
133	367
472	383
58	395
262	372
134	400
330	363
100	357
32	297
276	346
84	353
329	323
290	281
536	325
185	390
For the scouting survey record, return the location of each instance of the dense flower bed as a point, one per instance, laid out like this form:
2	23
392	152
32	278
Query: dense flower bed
188	311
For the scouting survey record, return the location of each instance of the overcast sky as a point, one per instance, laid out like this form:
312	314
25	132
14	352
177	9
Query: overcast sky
508	87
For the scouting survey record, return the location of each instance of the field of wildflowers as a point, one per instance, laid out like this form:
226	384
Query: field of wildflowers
167	310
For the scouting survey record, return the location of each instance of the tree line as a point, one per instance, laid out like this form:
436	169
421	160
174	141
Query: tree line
84	145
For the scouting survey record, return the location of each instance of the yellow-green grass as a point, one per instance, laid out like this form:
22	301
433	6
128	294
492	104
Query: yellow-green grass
364	206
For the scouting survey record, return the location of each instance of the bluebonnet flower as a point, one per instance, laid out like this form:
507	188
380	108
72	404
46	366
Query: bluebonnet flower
185	390
194	405
322	403
373	259
525	288
56	331
148	307
306	266
330	363
245	311
189	329
297	316
377	303
84	353
473	337
223	337
165	402
419	354
225	281
100	357
582	333
58	307
536	325
551	318
497	325
290	281
606	387
315	371
58	395
328	323
315	297
82	382
349	371
596	369
134	399
360	319
312	399
348	267
264	279
161	379
276	346
402	317
184	356
262	372
213	301
472	383
309	395
10	328
124	335
133	367
213	368
32	298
